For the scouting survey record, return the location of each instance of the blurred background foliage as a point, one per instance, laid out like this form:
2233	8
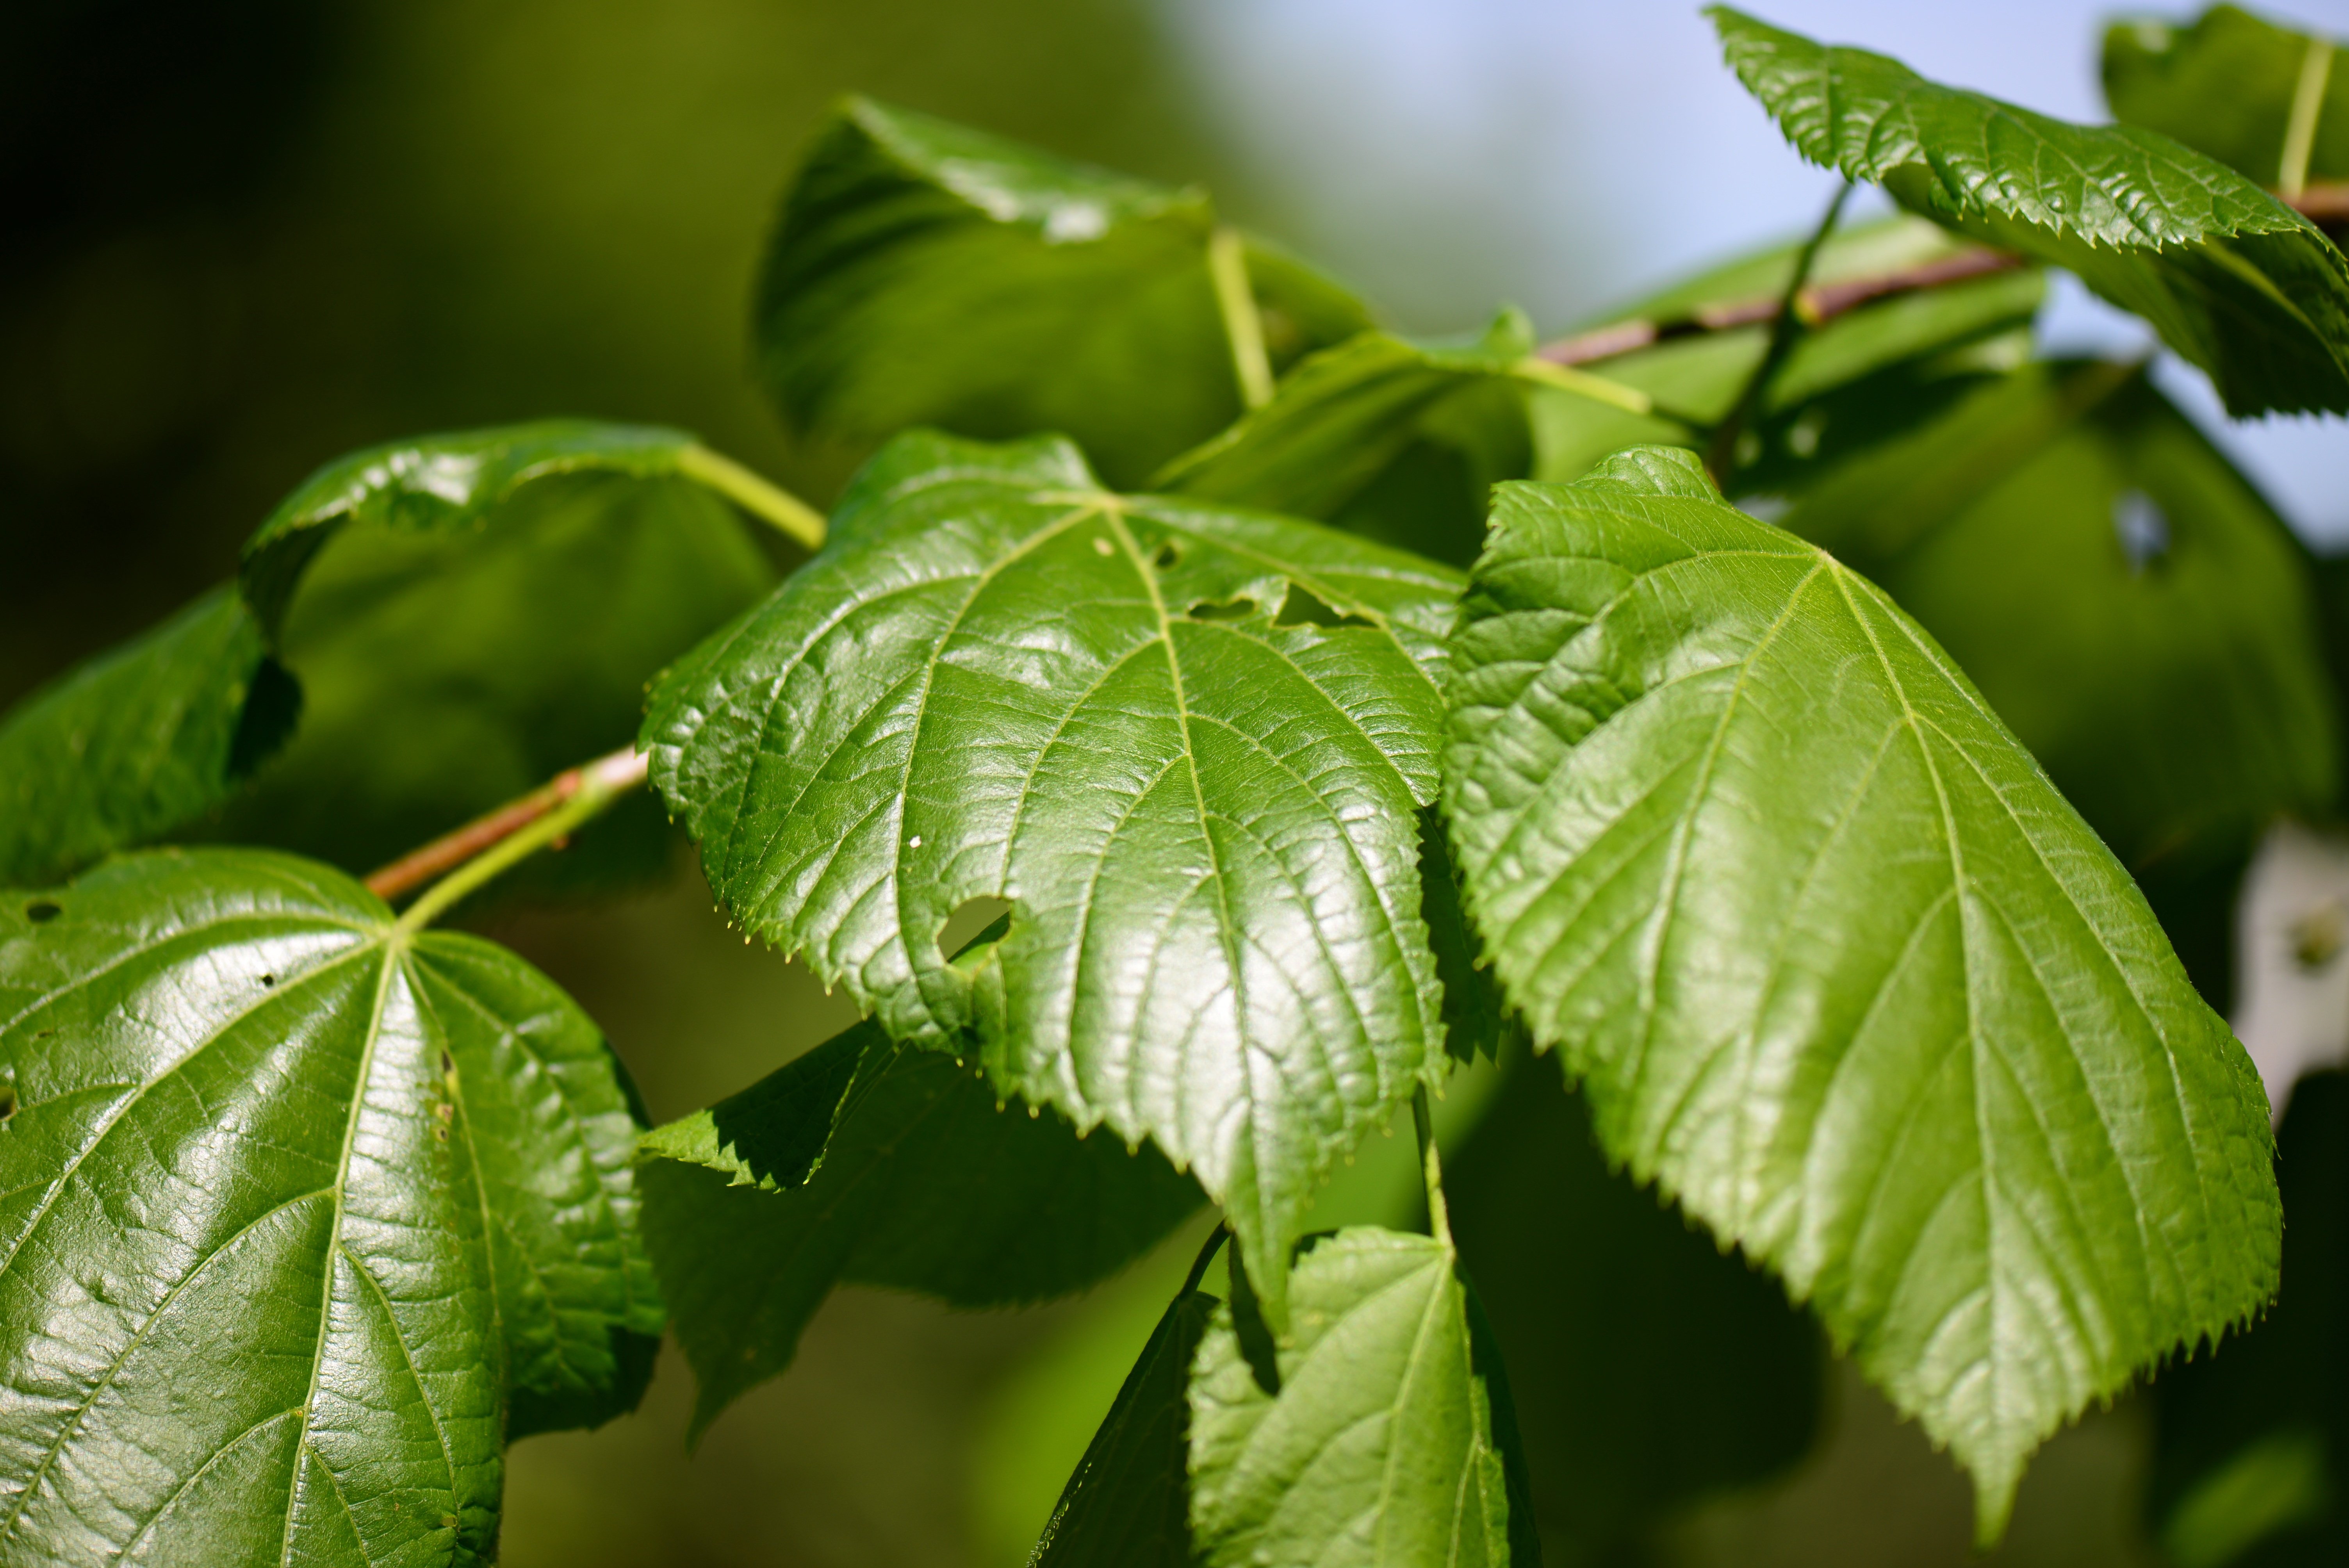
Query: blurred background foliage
246	237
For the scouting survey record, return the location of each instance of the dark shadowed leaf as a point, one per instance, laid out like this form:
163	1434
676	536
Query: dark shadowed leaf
2231	277
1124	716
1839	967
880	1163
297	1202
2224	86
926	275
2128	604
140	741
1390	1440
1647	1368
1128	1503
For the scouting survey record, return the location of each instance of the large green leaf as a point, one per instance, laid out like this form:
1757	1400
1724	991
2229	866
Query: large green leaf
882	1163
2126	600
2224	86
1128	1503
1839	967
2232	278
470	614
2252	1457
140	741
1388	1440
1001	681
1647	1368
926	275
297	1202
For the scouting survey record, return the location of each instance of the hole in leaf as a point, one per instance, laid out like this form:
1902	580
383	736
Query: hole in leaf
1304	609
1226	610
41	910
2142	527
447	1064
7	1101
1166	555
974	920
268	980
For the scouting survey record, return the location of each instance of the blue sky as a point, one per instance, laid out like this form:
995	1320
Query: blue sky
1564	154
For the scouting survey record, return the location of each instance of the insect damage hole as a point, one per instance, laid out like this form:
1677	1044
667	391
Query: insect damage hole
1302	607
7	1102
42	911
1165	557
1222	610
971	921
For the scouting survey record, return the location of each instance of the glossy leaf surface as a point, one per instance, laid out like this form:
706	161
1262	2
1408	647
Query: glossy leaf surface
140	741
1120	714
2224	86
880	1163
2232	278
1128	1503
1385	1443
1647	1368
297	1204
2128	604
927	275
470	614
1839	967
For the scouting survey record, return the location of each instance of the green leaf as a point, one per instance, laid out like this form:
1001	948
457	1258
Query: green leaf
1836	379
1127	1505
470	614
2224	86
1000	681
1837	966
926	275
296	1200
2250	1460
2234	280
880	1163
2126	601
1647	1368
1389	1441
140	741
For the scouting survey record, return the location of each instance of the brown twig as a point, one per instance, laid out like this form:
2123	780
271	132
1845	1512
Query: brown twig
2322	201
621	769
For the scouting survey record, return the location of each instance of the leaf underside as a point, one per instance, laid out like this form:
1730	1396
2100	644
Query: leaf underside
2232	279
1000	681
295	1207
1382	1445
875	1162
1839	967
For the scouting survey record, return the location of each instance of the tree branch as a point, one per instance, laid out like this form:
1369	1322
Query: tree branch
607	776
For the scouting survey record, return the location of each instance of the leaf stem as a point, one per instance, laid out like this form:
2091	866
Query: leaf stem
1206	1255
483	848
1430	1167
1228	266
1582	383
1786	326
2300	130
754	495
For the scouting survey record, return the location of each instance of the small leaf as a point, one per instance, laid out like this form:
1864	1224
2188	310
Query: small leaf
2232	278
2126	600
1000	681
1386	1442
140	741
1839	967
1647	1368
297	1202
2224	86
1127	1505
926	275
879	1163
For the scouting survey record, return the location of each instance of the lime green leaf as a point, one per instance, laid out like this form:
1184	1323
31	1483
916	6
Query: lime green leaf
880	1163
2253	1442
1128	1503
926	275
2225	86
2128	604
2231	277
1386	1442
296	1202
1121	715
470	614
1647	1368
1839	967
140	741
